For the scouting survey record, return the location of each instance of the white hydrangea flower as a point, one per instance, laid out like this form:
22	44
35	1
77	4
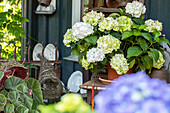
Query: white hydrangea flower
153	25
108	24
95	55
124	23
160	61
81	30
119	63
108	43
68	38
136	9
158	25
93	18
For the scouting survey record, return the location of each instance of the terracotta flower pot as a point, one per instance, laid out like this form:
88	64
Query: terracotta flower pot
45	2
112	74
112	4
160	74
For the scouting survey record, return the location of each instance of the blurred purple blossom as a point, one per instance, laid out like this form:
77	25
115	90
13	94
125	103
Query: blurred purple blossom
134	93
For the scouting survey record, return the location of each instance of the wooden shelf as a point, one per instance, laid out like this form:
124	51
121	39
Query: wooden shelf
106	10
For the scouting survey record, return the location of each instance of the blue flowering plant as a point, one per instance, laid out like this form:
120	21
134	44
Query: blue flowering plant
135	93
123	39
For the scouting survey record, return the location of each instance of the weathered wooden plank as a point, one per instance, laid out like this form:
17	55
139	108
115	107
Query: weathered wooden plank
42	28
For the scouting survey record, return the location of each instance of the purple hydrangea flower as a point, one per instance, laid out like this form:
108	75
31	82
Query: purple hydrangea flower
134	93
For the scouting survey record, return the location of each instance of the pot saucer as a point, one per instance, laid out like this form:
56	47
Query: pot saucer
105	80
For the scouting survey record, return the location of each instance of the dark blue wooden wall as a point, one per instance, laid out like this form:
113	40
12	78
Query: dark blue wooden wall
50	29
160	10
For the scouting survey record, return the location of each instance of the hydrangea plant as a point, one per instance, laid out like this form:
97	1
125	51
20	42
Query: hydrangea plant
99	39
135	93
70	103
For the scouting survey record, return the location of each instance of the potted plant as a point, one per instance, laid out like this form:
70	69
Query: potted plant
123	40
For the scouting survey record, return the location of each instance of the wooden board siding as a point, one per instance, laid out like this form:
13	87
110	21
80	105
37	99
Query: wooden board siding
159	10
50	29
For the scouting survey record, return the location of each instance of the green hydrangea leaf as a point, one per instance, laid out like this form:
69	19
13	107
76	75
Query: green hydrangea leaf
136	33
132	63
134	51
162	39
116	35
104	61
107	32
156	34
126	34
72	45
91	39
138	21
141	27
135	26
75	51
154	54
114	15
147	61
143	44
141	66
147	36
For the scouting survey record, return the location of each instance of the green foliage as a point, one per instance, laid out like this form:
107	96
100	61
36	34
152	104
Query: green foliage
3	101
36	89
22	109
127	34
134	51
18	98
9	108
139	42
91	39
13	82
10	28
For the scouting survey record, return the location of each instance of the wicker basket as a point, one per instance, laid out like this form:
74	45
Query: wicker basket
51	85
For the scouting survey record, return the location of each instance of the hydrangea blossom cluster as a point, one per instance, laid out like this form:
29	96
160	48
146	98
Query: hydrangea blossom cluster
119	63
68	38
93	18
81	30
108	24
136	9
135	93
95	55
108	43
153	25
160	61
86	64
124	23
70	103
